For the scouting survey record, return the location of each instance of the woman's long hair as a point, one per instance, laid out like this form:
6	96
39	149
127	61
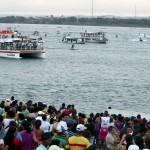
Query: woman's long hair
10	135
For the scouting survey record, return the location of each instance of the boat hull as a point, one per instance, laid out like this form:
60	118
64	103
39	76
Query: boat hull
32	53
10	54
95	41
22	53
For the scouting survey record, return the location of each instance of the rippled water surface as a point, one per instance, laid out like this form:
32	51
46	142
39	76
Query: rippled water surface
92	77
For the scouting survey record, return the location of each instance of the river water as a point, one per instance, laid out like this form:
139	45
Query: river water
93	77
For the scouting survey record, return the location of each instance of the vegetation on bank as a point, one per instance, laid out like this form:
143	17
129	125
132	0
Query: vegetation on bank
96	21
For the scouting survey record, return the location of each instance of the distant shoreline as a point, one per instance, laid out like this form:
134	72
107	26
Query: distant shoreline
97	21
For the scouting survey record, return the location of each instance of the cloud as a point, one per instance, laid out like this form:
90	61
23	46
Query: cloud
75	7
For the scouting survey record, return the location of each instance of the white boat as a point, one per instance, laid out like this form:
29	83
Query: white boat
94	37
73	38
13	45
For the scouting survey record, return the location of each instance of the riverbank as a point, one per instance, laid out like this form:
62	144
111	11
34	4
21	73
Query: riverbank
84	21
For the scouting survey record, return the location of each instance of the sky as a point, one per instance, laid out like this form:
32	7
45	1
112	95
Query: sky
76	7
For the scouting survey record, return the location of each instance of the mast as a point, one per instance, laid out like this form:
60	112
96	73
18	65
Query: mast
135	11
92	8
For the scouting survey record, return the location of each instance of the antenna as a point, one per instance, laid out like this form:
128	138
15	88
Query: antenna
92	8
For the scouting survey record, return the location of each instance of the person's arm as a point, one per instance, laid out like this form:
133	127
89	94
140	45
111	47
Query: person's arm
117	140
35	138
123	139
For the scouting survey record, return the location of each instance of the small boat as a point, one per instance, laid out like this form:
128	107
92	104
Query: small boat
73	47
73	38
94	37
14	45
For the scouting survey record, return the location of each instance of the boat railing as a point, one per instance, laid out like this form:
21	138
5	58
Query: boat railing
4	47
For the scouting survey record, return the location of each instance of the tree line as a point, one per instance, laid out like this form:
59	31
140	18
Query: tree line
96	21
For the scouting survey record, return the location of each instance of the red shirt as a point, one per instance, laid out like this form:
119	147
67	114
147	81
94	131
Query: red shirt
16	145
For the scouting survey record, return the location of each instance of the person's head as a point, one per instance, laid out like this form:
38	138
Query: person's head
129	140
37	124
24	106
56	142
70	123
139	141
142	131
133	147
80	128
21	116
13	124
26	126
111	129
63	117
91	115
138	116
59	130
12	98
46	138
63	105
11	114
44	117
53	113
129	129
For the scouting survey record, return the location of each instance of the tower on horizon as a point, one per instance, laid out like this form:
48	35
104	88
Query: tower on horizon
92	8
135	11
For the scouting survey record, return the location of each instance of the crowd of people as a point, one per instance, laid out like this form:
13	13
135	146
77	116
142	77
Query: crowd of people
36	126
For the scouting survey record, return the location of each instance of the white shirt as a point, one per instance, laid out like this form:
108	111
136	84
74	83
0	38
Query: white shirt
45	126
6	123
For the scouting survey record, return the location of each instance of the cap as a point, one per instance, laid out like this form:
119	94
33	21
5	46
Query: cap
81	127
133	147
63	124
46	135
70	122
40	112
59	129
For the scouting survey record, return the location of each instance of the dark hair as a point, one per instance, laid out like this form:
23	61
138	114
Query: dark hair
91	115
55	142
110	128
37	124
63	104
31	110
12	98
139	141
62	116
8	139
1	118
11	113
12	124
26	126
7	108
21	116
29	119
129	140
44	117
